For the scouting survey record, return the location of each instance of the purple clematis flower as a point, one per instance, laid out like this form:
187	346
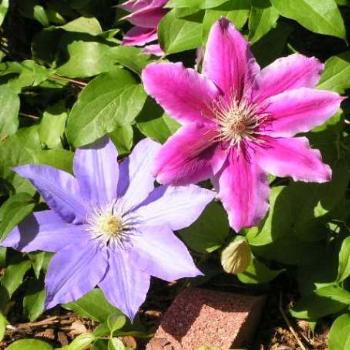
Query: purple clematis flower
109	226
238	122
145	15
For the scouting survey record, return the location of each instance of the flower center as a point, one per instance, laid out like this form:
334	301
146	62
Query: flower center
110	225
237	121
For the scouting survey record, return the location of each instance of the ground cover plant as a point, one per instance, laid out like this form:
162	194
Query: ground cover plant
200	142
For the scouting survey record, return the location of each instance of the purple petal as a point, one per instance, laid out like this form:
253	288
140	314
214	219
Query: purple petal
136	179
183	93
161	254
45	231
59	189
175	207
138	36
73	272
125	286
96	169
293	157
286	73
243	189
300	110
189	156
228	60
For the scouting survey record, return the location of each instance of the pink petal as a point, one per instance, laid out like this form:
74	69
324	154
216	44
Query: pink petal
146	18
183	93
228	60
243	189
293	157
138	36
187	156
287	73
134	5
154	50
300	110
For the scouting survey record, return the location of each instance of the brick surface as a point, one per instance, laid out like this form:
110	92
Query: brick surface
200	317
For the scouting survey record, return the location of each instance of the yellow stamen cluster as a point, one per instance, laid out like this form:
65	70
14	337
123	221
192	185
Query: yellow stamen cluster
109	224
237	121
106	225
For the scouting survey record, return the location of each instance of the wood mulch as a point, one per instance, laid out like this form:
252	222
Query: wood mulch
277	330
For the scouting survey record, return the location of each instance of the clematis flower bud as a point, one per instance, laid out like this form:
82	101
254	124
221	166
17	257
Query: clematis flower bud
236	257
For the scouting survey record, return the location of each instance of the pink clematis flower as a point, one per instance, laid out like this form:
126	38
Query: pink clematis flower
145	15
238	122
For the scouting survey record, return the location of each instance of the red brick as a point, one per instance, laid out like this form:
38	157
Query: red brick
200	317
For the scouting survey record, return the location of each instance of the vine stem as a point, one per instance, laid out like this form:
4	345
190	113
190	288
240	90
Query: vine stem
73	81
290	327
34	117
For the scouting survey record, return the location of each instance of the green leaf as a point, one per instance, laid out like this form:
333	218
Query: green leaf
339	334
88	25
9	102
34	300
19	75
196	4
153	123
15	150
84	56
130	57
257	272
29	344
123	137
110	100
13	211
100	344
115	344
313	307
3	324
176	35
116	322
40	261
82	342
236	11
52	125
263	17
293	231
14	275
334	292
93	305
336	73
344	261
3	10
321	17
209	232
58	158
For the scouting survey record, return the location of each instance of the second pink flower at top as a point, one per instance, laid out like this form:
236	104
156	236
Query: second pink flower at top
239	122
145	15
